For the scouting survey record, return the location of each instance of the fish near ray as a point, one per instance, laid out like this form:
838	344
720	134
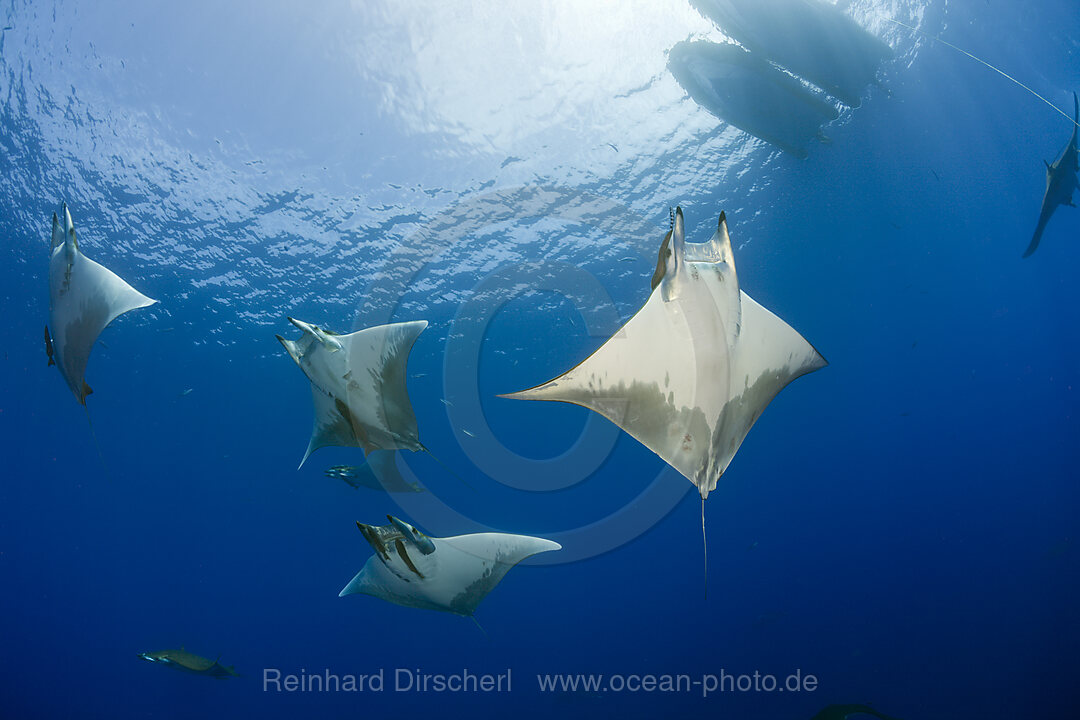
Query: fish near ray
452	574
693	369
380	472
189	662
84	297
1061	181
358	385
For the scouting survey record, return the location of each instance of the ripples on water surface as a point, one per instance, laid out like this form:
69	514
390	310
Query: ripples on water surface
901	523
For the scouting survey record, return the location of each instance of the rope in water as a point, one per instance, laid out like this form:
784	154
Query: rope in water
998	70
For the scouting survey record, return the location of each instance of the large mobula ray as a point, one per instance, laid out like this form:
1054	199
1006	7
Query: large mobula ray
690	373
451	574
84	297
358	385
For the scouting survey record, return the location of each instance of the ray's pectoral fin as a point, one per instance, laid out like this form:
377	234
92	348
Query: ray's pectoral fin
110	295
333	425
387	348
1044	216
489	557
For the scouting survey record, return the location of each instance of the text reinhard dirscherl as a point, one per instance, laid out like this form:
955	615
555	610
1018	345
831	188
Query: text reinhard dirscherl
467	681
402	680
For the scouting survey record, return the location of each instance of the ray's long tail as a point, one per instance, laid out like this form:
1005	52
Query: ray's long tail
97	445
446	467
705	548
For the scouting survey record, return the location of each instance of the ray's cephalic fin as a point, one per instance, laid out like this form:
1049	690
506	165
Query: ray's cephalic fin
675	268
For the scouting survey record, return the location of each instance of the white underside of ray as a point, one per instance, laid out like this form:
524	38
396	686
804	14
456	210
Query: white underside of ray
456	576
84	297
358	386
691	372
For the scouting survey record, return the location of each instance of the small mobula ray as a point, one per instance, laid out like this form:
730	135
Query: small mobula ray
450	574
1061	181
358	385
84	297
691	372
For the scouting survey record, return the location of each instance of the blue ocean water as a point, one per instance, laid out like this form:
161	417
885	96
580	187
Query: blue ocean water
901	524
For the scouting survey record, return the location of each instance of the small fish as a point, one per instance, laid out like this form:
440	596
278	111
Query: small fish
185	393
49	346
1056	550
446	402
843	712
467	433
345	472
628	258
418	375
189	662
612	146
